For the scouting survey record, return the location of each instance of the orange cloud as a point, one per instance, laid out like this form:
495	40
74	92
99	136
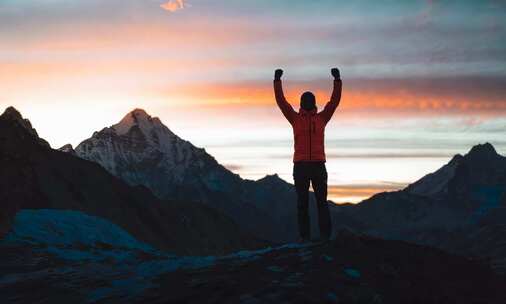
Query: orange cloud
393	100
173	5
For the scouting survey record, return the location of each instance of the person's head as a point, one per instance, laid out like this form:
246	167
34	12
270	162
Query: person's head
308	101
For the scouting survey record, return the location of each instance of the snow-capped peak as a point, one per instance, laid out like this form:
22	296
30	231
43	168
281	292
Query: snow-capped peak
140	118
139	145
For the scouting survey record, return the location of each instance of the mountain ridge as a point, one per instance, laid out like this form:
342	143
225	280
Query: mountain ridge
442	193
448	208
460	208
141	150
34	176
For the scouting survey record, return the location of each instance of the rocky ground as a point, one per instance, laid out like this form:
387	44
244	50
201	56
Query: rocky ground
350	269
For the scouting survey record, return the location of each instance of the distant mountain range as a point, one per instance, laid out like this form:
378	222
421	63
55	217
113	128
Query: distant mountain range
460	208
34	176
136	214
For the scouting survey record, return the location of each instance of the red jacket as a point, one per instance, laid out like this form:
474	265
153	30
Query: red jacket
308	126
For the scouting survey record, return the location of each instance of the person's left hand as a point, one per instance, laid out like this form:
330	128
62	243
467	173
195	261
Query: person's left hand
335	72
277	74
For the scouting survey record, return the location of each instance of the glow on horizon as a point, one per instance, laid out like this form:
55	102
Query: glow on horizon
432	72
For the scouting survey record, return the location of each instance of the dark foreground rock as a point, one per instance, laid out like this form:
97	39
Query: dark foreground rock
351	269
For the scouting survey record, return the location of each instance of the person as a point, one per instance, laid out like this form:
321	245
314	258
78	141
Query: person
309	156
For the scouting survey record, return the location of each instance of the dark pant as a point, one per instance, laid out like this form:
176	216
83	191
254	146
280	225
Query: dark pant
316	173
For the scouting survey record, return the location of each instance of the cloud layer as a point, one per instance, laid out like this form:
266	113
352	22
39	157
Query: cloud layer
173	5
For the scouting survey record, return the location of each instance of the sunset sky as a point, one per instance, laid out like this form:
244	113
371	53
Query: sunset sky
422	80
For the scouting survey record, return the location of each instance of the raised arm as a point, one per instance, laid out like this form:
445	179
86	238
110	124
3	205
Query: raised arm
331	106
283	105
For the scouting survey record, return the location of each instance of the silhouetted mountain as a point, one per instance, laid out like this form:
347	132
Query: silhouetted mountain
437	182
21	129
481	166
142	151
60	256
460	208
34	176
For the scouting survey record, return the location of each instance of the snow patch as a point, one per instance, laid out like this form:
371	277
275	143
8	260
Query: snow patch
64	228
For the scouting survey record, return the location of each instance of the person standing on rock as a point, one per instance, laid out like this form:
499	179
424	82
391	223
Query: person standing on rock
309	156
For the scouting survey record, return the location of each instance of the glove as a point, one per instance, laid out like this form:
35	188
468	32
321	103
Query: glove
335	72
277	74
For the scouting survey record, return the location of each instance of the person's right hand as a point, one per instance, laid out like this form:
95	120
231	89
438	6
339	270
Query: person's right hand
335	72
277	74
